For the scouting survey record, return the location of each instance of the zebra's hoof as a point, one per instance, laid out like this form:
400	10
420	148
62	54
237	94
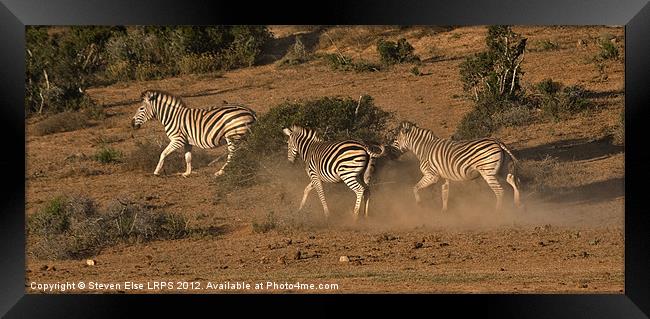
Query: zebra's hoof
185	175
218	173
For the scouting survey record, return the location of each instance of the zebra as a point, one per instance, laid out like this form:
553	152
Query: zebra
351	162
187	127
456	161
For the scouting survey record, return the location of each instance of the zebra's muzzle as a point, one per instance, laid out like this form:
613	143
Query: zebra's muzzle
133	125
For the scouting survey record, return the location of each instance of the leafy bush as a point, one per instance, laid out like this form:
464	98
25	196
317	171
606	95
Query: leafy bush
548	86
608	51
475	124
394	53
495	73
335	118
108	155
61	66
74	227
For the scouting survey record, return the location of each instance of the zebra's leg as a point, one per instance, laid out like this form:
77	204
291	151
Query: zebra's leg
366	198
426	181
494	184
357	204
321	194
173	145
445	195
511	179
188	160
231	149
308	189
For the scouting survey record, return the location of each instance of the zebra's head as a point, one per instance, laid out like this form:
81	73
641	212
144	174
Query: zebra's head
401	139
145	111
298	139
292	144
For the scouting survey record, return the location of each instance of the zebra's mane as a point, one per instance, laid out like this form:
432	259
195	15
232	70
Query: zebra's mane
160	93
304	131
426	133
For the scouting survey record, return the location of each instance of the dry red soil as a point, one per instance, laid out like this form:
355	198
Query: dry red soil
571	241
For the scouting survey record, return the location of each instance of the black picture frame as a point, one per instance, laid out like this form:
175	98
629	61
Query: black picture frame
634	15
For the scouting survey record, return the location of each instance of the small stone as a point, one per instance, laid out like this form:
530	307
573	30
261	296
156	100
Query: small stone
91	262
282	260
444	244
344	259
288	241
502	269
51	268
44	267
417	245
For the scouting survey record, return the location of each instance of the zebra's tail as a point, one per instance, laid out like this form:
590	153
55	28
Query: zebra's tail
374	154
503	146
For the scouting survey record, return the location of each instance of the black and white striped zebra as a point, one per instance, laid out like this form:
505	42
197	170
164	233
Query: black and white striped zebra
349	161
187	127
456	161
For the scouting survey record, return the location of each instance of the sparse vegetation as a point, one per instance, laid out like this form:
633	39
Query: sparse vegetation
74	227
296	54
619	130
557	101
513	116
62	122
144	157
416	71
266	225
546	45
536	176
345	63
396	52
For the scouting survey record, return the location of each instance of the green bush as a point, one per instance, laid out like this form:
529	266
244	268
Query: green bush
108	155
394	53
60	66
495	73
336	118
608	51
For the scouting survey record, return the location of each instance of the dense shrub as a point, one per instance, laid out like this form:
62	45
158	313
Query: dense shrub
74	227
61	65
335	118
547	45
493	78
393	53
513	116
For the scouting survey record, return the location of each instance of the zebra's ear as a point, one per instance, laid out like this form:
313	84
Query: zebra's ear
286	131
405	127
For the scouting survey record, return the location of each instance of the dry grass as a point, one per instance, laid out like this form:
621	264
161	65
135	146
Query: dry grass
144	157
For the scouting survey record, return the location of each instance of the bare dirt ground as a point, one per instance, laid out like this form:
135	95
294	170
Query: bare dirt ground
569	241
